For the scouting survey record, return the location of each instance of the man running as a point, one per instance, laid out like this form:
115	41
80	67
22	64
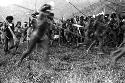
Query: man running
43	25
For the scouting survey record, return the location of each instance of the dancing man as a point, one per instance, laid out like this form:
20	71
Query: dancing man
44	21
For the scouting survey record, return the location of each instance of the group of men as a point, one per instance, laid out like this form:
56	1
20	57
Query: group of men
9	31
101	30
36	29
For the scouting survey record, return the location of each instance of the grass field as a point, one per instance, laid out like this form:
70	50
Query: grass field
69	66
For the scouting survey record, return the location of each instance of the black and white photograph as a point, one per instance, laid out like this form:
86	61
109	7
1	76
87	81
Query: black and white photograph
62	41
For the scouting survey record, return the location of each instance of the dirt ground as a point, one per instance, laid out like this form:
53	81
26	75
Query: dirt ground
68	66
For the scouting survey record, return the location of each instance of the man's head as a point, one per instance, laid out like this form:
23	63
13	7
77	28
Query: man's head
25	24
82	18
9	19
34	15
18	24
77	18
45	7
113	15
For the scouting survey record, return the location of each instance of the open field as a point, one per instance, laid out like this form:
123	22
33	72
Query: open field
69	66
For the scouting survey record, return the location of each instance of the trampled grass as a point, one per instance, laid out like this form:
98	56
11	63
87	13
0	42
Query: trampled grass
69	66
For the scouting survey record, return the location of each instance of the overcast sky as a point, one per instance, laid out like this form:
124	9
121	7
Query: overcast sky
61	8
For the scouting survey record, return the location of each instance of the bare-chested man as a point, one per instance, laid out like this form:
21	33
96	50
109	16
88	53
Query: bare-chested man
43	25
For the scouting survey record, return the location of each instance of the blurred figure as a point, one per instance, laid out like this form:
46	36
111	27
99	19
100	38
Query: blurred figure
24	32
8	35
44	21
1	33
18	30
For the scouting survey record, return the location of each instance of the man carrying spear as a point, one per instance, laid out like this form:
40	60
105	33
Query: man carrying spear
8	34
44	21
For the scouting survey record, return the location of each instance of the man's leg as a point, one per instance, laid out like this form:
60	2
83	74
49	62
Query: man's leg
101	45
32	45
122	53
23	38
6	45
45	45
11	42
116	52
91	45
122	43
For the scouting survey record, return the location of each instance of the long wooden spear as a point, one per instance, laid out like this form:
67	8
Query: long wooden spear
76	7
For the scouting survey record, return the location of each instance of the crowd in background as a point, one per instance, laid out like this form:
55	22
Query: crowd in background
99	30
103	30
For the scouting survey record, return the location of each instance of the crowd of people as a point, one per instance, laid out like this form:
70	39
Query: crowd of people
18	30
103	29
98	30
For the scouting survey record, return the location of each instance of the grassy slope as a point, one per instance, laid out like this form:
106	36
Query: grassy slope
79	68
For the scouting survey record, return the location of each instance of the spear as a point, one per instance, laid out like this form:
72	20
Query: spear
23	7
35	4
76	7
